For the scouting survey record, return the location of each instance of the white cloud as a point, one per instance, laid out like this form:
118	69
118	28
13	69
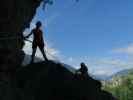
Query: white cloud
118	63
103	72
120	59
125	50
112	62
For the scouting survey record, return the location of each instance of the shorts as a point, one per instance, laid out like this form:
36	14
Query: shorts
35	44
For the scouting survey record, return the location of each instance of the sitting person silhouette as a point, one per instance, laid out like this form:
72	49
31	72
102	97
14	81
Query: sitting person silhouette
37	41
82	72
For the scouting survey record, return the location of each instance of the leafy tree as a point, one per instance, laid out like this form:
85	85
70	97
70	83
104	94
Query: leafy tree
123	91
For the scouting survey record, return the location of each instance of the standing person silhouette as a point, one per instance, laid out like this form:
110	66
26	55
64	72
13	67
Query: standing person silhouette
37	41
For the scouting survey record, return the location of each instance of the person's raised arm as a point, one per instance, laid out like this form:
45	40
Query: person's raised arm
78	71
29	34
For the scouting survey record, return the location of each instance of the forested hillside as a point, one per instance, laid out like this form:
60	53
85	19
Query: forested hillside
121	86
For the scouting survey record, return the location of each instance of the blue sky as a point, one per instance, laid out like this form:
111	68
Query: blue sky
98	32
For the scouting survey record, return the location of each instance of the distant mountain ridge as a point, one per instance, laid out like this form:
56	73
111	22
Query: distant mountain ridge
108	78
123	72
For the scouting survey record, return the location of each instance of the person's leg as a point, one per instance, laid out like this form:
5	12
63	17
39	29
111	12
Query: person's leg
43	53
33	55
34	47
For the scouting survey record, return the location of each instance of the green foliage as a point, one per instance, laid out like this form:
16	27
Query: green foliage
123	90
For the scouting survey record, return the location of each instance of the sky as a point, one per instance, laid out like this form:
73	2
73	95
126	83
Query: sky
97	32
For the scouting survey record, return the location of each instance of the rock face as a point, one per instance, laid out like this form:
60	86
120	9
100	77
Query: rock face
15	16
49	80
